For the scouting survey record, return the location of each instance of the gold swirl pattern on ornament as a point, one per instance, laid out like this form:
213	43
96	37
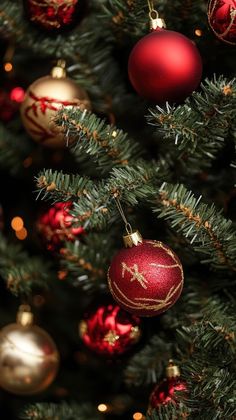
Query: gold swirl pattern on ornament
136	275
158	244
145	303
14	347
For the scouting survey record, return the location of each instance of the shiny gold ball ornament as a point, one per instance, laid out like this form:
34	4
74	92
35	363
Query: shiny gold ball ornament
44	98
28	356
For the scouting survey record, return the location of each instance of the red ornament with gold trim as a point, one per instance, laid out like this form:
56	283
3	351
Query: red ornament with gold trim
222	19
42	101
146	277
54	15
164	392
109	330
55	226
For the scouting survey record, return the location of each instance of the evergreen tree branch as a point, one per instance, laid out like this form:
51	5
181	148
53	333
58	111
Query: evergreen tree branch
62	411
105	144
20	271
203	226
210	371
85	264
147	366
199	129
94	204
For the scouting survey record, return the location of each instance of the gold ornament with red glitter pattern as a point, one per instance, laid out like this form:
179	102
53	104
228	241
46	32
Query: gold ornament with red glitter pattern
55	226
164	392
29	358
146	277
44	98
54	15
222	19
109	330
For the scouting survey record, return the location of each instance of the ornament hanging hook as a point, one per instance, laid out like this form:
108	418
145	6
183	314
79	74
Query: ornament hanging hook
128	226
132	237
155	21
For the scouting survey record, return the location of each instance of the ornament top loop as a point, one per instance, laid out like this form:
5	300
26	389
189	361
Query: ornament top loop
132	239
59	71
155	22
24	316
172	370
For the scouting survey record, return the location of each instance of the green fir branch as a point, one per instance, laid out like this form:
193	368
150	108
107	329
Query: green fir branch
210	371
198	130
207	231
147	366
170	411
20	271
107	145
62	411
94	204
84	263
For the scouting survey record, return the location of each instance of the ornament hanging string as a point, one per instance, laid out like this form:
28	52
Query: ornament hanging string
128	226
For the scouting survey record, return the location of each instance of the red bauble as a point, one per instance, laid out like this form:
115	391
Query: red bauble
164	393
53	15
55	226
146	279
222	19
109	330
165	66
10	101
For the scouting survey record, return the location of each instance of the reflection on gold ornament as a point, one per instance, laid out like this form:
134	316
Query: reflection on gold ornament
44	98
28	356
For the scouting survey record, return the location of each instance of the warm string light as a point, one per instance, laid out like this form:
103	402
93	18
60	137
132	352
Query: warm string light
138	416
8	67
17	225
102	408
198	32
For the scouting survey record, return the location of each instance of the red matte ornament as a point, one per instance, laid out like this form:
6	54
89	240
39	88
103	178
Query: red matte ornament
146	279
53	15
222	19
55	226
165	66
109	330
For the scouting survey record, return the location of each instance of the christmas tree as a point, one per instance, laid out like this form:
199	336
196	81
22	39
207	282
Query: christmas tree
107	129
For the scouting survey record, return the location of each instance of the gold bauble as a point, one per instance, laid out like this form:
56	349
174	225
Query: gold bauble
44	98
28	356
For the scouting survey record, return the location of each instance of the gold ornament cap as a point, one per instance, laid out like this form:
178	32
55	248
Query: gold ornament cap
156	22
132	239
172	370
59	71
24	316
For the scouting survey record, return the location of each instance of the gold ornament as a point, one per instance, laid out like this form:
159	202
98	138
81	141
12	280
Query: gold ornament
42	101
28	356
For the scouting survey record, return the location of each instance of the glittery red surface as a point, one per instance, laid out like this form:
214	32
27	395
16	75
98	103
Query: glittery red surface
53	14
165	392
165	66
55	226
146	279
110	320
222	19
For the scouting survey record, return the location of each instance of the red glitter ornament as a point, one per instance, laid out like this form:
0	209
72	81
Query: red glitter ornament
54	15
165	66
222	19
164	393
109	330
55	226
146	279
